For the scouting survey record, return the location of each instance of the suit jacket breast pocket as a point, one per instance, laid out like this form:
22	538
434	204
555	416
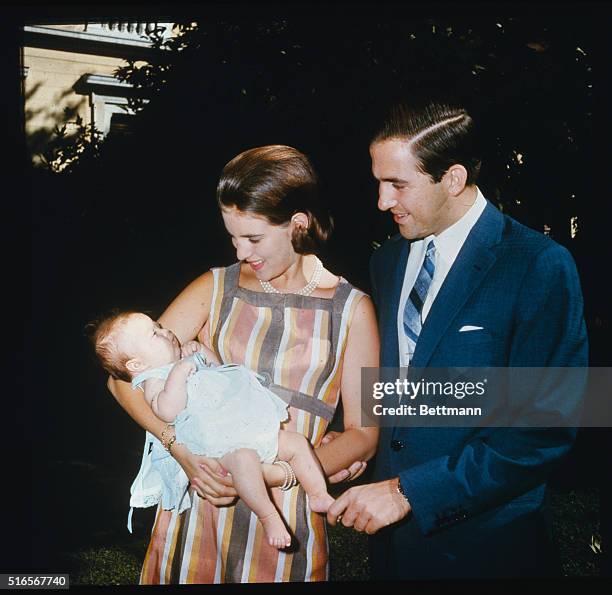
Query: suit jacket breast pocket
476	348
475	337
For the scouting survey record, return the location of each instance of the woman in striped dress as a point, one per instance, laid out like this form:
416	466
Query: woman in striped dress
308	333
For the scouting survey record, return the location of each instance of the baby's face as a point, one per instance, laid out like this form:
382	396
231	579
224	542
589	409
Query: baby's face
146	340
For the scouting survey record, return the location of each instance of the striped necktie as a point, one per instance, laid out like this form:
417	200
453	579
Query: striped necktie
416	299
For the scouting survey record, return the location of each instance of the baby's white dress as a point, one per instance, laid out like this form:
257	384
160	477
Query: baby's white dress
227	409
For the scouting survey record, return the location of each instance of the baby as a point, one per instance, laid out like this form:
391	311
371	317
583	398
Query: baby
218	411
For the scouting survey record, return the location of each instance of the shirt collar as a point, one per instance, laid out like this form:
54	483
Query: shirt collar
449	242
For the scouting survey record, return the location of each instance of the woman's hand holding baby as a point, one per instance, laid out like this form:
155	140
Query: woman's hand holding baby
213	482
348	474
209	479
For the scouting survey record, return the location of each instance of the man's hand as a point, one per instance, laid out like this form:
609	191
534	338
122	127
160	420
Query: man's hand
369	507
352	472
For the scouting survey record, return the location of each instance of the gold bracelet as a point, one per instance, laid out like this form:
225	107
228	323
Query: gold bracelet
170	443
167	445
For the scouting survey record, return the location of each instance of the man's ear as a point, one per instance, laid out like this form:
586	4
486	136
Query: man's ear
134	365
455	179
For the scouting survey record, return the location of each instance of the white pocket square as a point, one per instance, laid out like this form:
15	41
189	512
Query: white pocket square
469	327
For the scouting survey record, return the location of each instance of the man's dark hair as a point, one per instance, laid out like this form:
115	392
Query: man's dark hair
439	135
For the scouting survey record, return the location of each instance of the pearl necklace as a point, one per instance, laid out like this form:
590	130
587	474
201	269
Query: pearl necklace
306	290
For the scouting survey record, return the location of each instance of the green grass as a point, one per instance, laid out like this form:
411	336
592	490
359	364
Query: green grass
112	565
348	554
575	523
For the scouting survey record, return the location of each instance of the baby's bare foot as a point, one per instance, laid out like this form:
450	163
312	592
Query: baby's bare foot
276	532
320	502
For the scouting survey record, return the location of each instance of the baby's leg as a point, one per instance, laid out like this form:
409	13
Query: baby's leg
296	450
245	467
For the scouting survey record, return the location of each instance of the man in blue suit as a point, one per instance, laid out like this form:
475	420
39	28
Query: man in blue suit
462	285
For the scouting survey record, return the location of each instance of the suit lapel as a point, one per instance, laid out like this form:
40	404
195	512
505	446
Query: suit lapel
389	347
473	262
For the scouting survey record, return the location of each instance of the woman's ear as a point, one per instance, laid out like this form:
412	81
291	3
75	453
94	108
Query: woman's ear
455	179
300	220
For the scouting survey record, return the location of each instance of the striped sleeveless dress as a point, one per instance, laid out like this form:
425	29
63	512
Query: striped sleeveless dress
297	344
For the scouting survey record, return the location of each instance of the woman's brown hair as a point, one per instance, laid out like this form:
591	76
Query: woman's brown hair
276	182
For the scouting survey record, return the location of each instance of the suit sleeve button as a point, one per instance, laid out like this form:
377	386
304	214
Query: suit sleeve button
397	445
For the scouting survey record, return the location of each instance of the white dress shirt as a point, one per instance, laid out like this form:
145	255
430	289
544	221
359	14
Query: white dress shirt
448	243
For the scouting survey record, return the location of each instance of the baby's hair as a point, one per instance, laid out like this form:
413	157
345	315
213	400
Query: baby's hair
103	334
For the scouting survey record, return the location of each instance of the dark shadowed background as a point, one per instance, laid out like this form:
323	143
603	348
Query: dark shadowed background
132	225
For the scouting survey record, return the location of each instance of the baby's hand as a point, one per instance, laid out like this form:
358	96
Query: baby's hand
190	347
209	356
186	366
